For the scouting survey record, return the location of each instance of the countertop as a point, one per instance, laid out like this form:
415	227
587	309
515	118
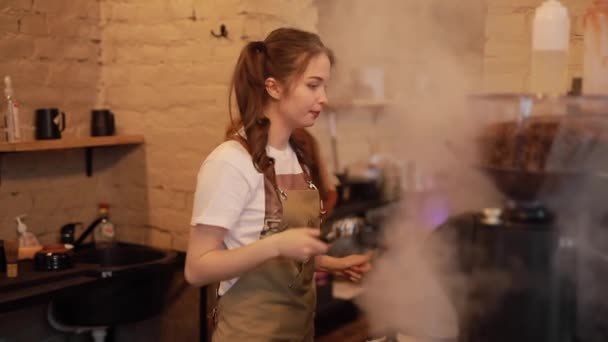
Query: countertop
32	286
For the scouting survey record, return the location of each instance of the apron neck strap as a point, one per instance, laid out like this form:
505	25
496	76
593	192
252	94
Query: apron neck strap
270	174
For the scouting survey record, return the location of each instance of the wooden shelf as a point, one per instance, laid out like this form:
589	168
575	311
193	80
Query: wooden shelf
87	143
69	143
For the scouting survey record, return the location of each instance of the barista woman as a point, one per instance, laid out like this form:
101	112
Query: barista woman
256	209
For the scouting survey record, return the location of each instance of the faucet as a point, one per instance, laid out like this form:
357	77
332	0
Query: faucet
67	232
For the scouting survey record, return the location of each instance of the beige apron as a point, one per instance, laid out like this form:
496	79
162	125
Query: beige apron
276	300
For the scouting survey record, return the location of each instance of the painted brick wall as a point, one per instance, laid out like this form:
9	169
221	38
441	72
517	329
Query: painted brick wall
395	34
156	65
52	51
418	44
508	42
167	77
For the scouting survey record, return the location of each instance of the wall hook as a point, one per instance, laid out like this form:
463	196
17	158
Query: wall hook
223	32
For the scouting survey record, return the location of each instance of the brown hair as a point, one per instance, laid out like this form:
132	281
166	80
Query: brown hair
283	55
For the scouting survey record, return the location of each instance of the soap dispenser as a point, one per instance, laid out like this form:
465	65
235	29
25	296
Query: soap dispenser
26	239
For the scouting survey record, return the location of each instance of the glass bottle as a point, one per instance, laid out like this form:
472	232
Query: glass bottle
105	232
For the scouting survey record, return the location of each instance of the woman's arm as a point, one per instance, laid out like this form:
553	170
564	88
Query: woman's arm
208	261
352	266
326	263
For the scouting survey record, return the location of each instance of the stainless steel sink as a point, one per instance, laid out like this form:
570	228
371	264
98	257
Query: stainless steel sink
133	285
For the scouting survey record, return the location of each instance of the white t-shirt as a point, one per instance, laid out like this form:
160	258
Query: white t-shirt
230	193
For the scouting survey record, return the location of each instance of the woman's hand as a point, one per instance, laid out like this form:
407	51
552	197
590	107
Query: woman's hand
356	266
299	243
352	267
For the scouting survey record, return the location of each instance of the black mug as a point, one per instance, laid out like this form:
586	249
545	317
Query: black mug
50	122
102	122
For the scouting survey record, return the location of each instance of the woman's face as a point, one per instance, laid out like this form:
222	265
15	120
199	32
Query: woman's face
303	102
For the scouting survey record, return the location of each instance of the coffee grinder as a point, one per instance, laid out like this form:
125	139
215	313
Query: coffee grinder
522	262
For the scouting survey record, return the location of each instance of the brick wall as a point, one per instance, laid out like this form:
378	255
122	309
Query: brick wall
157	66
51	49
508	42
428	49
492	45
167	77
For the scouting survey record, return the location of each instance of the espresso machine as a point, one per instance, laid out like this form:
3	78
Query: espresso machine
535	268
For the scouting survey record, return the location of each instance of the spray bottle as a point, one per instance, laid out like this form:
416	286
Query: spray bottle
595	53
550	43
13	129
